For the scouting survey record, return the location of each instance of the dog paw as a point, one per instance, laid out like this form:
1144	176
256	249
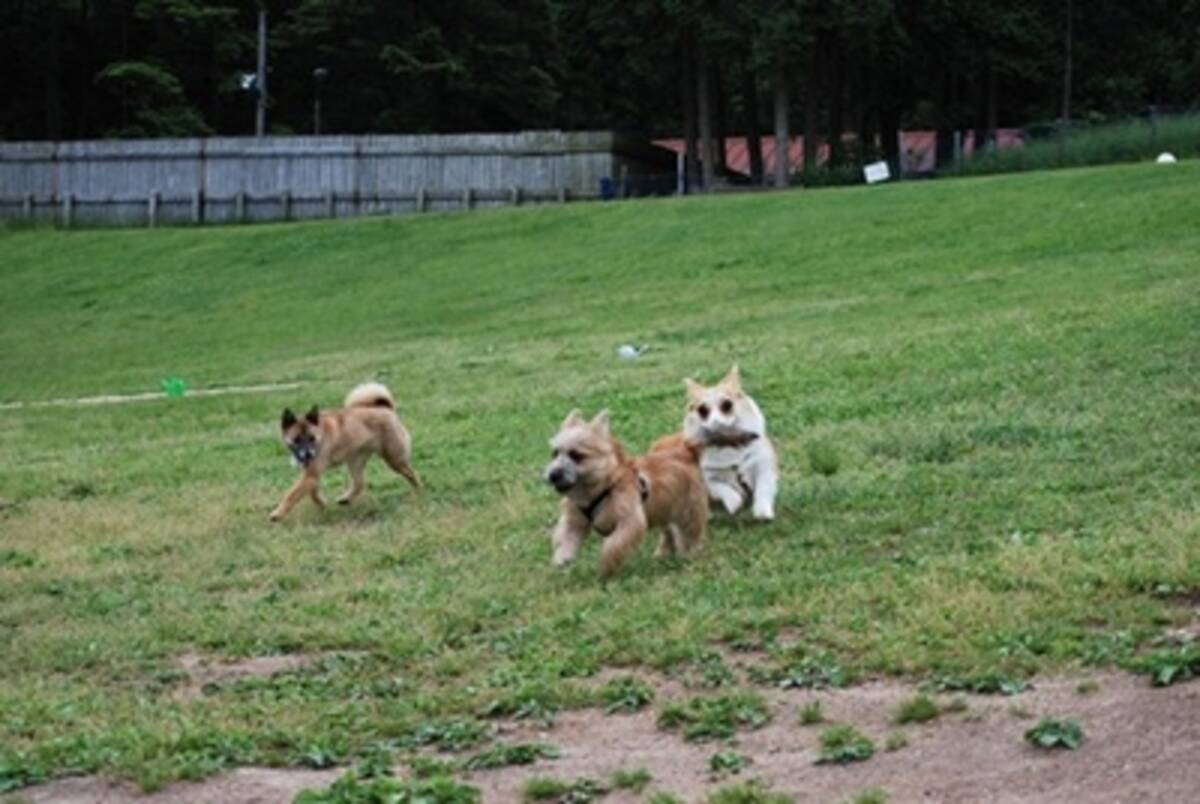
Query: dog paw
343	500
276	516
764	515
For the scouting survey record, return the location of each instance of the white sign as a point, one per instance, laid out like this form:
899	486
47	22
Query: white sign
876	172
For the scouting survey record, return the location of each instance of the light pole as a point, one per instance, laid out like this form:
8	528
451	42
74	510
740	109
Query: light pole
319	76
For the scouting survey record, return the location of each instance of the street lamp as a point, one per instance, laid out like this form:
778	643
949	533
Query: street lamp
319	76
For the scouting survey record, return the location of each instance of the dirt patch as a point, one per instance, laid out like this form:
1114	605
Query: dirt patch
244	785
1140	745
203	670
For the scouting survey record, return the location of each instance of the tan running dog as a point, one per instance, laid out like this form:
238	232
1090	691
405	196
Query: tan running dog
620	497
366	426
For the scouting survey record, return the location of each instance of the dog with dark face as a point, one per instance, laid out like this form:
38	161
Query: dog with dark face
621	497
367	425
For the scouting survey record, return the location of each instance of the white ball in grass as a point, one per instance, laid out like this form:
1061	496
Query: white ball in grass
627	351
1166	158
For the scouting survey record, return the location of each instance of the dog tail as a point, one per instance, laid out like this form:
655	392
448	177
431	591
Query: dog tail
370	395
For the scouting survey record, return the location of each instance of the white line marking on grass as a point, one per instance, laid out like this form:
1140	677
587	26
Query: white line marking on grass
116	399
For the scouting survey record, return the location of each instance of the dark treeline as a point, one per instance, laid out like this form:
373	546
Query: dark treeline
704	68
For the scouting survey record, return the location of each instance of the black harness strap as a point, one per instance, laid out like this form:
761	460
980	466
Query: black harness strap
589	513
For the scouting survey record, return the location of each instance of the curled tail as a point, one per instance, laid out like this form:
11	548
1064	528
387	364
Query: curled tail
370	395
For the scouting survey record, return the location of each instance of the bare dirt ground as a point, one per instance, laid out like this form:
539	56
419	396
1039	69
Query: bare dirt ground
1141	744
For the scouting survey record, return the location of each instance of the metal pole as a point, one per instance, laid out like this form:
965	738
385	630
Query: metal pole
260	116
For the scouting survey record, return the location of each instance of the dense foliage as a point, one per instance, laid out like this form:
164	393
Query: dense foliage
128	68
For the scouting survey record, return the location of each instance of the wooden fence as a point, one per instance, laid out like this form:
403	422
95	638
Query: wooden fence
226	180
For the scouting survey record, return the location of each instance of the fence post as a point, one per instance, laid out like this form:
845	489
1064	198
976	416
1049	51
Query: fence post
152	210
198	206
27	207
467	198
329	209
514	196
420	199
285	200
239	206
562	195
68	209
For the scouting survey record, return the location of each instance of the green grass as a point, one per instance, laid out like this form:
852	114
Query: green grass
718	718
843	744
811	714
917	709
1136	140
1001	374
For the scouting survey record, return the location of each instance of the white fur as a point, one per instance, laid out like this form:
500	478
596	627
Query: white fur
729	470
366	394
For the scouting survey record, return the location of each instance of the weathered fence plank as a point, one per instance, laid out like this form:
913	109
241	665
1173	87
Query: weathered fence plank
248	179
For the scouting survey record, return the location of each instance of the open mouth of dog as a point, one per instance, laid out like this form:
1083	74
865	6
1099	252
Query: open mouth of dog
303	453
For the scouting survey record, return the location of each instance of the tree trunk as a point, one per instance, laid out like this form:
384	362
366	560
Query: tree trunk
889	134
720	119
837	110
992	106
691	152
708	155
812	111
783	131
1066	98
52	73
753	136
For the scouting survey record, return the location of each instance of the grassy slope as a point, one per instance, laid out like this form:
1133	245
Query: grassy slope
1003	373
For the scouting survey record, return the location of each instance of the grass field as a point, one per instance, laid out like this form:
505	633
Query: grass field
985	393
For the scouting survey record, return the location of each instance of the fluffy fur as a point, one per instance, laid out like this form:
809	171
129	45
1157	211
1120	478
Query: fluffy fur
735	474
318	440
620	496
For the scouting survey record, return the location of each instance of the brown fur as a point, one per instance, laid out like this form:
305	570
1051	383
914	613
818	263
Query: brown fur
676	501
367	426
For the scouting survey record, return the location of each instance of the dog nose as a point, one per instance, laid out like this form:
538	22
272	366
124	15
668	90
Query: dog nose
555	476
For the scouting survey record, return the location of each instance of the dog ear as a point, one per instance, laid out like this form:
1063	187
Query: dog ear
313	416
694	389
288	418
733	379
600	423
574	418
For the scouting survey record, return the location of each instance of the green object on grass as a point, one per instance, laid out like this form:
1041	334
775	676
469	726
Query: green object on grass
173	387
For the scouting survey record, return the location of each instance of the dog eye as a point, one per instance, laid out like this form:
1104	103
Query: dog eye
726	406
575	455
703	411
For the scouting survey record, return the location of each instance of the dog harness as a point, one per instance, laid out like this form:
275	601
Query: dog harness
589	513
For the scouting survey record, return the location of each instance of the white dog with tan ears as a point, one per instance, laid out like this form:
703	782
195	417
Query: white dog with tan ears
734	475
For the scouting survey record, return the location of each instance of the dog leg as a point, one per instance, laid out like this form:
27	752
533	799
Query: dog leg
316	496
354	468
729	496
303	487
669	543
620	544
766	485
568	536
690	534
396	455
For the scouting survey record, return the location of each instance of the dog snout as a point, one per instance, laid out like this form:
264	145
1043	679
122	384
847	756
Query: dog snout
559	477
